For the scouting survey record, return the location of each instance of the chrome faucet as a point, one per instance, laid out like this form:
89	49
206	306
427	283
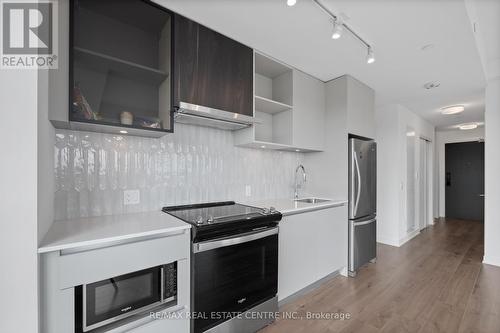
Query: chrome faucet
297	185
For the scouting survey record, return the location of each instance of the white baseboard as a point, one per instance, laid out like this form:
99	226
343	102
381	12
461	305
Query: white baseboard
387	241
409	236
491	261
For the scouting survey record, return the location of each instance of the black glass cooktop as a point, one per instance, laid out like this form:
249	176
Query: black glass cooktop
220	217
211	213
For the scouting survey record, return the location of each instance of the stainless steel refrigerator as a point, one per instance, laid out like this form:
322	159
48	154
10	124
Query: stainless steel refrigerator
362	203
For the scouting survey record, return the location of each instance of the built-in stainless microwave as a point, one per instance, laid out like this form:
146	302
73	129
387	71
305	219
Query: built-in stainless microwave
108	301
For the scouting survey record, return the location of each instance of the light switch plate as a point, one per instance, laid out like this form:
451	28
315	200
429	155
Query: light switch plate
248	190
131	197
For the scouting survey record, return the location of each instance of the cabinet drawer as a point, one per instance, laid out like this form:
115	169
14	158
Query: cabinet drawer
95	265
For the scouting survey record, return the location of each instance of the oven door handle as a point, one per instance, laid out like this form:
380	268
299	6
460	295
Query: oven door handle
228	241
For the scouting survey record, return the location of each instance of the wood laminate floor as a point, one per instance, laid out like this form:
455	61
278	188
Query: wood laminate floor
434	283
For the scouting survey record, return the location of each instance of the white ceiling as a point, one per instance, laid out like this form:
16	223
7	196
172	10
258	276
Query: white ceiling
300	36
485	17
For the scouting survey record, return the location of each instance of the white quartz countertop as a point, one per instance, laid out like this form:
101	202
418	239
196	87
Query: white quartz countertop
291	207
94	231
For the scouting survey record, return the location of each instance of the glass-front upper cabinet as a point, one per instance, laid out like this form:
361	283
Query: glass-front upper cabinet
120	65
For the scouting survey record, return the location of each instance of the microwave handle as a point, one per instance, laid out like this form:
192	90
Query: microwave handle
228	241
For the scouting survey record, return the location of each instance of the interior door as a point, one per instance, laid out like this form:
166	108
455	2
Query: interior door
423	183
410	180
464	182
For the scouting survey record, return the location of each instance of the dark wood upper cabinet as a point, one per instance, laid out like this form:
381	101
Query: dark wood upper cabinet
210	69
120	67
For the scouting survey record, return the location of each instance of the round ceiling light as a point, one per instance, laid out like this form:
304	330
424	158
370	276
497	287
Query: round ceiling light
291	2
467	126
454	109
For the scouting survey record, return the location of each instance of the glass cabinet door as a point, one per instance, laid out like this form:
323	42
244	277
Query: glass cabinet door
121	64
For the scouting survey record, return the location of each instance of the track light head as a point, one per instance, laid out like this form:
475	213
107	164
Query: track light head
291	3
370	58
338	27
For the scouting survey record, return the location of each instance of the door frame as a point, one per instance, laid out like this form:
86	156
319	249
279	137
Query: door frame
441	169
427	187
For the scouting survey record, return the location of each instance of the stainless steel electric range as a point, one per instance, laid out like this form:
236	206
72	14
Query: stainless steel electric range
234	265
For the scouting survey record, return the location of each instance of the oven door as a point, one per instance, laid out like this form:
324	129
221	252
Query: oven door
113	299
232	275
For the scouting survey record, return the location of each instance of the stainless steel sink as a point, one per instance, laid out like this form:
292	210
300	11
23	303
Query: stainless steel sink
311	200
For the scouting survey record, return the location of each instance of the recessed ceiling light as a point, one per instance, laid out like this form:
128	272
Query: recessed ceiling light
432	85
467	126
454	109
291	2
123	132
263	147
297	150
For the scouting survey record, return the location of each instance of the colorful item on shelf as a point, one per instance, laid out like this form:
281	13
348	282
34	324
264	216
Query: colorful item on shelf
126	118
149	122
81	108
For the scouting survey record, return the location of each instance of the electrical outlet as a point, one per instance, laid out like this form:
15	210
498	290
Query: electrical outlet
131	197
248	190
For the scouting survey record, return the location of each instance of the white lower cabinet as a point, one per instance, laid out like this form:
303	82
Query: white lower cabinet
311	246
62	272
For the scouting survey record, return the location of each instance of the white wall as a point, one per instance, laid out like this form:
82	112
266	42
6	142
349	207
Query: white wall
492	178
45	158
388	174
18	201
442	138
391	134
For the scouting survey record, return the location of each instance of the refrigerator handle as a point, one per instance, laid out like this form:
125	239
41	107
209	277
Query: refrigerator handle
358	224
358	174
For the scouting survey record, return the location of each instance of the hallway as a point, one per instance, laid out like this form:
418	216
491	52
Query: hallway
433	283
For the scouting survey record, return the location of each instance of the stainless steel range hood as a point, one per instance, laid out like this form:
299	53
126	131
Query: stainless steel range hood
204	116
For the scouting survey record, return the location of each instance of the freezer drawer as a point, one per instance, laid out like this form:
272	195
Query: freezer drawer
362	242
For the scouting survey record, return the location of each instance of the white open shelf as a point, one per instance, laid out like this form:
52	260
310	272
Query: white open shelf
267	105
266	145
273	98
273	104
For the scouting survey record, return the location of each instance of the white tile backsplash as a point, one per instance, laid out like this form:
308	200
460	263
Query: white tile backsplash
195	164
